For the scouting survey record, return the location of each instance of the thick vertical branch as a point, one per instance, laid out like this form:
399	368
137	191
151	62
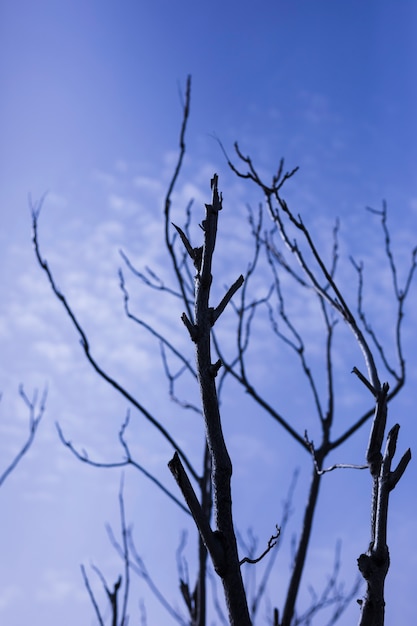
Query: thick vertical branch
221	463
299	562
228	568
375	563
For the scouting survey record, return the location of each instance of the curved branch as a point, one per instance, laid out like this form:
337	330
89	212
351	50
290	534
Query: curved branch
167	210
272	542
83	456
151	329
86	347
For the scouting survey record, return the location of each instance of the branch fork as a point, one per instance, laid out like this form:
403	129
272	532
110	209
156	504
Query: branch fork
220	543
375	563
210	538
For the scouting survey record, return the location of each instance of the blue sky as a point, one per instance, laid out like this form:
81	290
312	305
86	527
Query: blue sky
90	113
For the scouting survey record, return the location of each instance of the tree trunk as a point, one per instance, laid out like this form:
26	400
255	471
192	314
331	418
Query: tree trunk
300	557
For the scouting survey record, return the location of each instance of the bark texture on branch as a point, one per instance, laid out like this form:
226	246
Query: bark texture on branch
221	543
374	564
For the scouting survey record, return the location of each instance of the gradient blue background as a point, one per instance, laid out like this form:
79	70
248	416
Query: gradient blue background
90	113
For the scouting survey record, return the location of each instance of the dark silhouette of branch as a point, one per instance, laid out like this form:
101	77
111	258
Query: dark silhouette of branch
128	460
169	241
172	379
277	213
224	550
112	595
374	564
400	297
36	413
162	339
124	530
184	290
86	347
148	277
272	542
261	588
278	258
121	583
210	539
195	599
92	596
216	602
320	277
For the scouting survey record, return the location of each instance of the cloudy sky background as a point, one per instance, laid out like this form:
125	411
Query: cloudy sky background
90	113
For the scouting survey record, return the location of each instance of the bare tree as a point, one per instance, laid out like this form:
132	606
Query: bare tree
278	256
319	277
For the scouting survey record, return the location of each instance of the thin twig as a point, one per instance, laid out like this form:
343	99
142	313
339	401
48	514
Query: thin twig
272	542
84	457
35	415
86	347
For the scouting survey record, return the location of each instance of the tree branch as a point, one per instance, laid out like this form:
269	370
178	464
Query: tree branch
86	347
35	416
374	564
